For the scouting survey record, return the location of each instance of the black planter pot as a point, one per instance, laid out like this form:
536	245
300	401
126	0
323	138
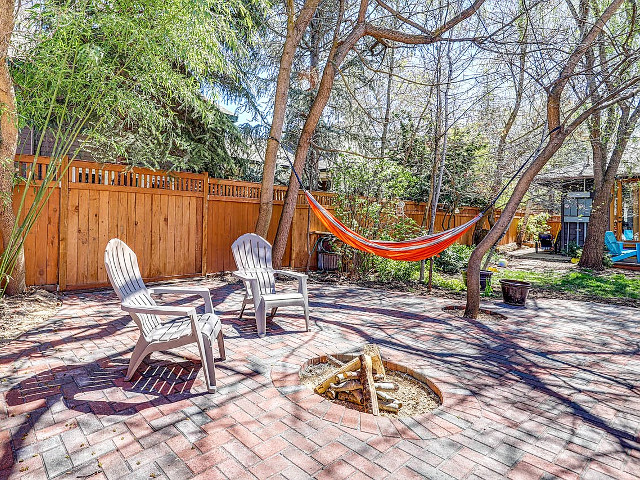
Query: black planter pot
485	278
515	292
328	261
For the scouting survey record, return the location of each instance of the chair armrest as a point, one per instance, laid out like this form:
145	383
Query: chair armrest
203	292
291	273
185	290
242	276
159	309
253	284
301	277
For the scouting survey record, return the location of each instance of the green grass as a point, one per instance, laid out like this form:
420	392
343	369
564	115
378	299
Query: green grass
448	283
585	283
582	282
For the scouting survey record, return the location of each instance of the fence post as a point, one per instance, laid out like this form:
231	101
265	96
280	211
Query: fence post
205	216
63	225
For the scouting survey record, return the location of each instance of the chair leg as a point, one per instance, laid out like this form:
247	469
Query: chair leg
209	365
244	304
138	355
261	319
223	355
306	314
273	312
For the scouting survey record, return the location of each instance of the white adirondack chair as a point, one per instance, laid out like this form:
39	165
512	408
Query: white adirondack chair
252	255
186	327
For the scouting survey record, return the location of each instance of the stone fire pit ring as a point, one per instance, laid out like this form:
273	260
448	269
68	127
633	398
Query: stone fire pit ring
458	411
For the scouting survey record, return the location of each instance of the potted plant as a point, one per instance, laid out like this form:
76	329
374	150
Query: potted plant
515	292
328	256
485	278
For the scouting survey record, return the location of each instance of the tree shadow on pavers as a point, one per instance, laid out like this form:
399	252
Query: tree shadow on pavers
99	395
478	354
529	372
282	324
78	362
70	324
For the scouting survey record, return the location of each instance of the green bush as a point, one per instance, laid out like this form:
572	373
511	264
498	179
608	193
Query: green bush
448	283
387	270
453	259
536	225
573	250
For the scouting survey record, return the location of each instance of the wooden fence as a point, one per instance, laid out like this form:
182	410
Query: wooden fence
179	224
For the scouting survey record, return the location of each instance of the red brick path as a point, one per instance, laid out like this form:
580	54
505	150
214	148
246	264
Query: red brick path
553	391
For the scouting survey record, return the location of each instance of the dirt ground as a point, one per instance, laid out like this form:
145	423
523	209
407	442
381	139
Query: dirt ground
25	312
527	259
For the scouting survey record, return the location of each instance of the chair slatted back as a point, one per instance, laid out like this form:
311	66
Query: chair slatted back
612	243
121	264
252	255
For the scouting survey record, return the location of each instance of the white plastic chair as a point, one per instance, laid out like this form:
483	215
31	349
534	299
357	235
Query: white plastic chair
252	255
186	327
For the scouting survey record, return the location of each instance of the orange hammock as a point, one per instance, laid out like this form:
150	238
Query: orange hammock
416	249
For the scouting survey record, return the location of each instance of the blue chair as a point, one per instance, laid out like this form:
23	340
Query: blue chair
628	235
615	248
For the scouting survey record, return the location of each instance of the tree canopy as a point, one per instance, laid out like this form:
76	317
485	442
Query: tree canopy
144	76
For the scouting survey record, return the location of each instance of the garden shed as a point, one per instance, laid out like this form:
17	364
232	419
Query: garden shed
575	207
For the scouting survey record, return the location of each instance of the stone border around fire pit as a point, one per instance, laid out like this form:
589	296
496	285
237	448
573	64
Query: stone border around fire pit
458	411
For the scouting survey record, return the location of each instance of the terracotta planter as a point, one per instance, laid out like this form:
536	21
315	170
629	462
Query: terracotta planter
515	292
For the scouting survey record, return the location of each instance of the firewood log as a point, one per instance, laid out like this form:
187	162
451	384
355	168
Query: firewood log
331	378
373	351
346	376
386	386
347	386
391	407
385	397
350	397
368	387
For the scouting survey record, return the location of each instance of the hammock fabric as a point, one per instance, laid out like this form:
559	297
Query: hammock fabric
416	249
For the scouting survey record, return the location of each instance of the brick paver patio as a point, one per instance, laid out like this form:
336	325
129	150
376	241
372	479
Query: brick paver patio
553	391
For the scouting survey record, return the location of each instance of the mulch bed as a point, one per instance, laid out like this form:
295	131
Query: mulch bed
21	313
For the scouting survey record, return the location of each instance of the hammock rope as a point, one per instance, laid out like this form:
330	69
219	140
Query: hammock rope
416	249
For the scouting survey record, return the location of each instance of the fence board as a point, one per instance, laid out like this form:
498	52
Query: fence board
160	215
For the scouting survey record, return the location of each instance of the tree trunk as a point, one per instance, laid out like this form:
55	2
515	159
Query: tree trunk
387	110
294	36
9	139
598	224
473	268
599	219
558	134
336	56
522	233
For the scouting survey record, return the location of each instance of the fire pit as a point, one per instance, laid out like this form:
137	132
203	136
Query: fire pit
369	384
